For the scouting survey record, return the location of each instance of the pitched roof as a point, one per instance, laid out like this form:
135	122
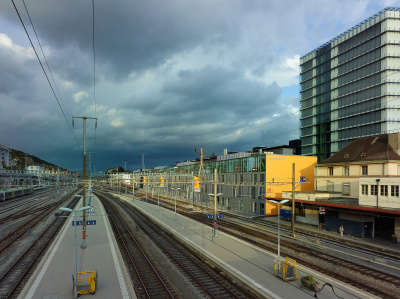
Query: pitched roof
371	148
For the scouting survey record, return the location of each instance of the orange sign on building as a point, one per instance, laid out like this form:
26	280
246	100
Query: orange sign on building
196	180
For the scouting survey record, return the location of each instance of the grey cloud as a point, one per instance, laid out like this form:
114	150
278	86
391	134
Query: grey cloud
177	111
215	91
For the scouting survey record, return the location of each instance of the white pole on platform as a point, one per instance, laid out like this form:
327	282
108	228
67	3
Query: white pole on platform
76	253
279	216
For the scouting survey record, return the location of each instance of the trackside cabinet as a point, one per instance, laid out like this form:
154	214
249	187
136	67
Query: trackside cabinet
287	269
87	282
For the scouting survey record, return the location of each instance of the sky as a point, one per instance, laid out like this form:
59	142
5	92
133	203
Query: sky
163	78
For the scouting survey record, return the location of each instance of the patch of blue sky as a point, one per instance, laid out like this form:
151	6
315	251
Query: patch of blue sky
291	91
375	6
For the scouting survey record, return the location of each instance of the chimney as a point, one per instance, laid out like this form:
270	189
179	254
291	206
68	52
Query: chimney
394	142
225	151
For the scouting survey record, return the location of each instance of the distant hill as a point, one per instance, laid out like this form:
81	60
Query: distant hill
31	160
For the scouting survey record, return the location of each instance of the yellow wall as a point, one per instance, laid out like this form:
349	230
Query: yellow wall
278	169
271	209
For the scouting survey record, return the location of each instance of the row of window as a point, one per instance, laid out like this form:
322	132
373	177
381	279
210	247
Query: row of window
360	119
360	38
345	125
246	164
360	73
323	54
307	75
384	190
346	170
359	84
360	50
360	96
360	61
370	129
322	72
369	189
235	191
306	66
347	88
239	178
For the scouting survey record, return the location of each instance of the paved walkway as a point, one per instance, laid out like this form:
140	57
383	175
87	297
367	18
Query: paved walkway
53	278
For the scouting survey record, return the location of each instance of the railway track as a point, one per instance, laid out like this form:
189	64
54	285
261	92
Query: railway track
149	282
380	283
35	217
197	272
22	204
15	273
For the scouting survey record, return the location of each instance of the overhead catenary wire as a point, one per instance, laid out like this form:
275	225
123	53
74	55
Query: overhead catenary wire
44	71
44	56
94	79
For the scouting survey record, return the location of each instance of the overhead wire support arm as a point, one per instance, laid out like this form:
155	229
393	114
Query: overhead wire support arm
84	175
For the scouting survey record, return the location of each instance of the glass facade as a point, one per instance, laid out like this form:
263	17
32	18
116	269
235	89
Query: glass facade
344	88
246	164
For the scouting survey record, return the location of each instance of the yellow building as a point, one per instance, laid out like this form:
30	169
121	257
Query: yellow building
279	177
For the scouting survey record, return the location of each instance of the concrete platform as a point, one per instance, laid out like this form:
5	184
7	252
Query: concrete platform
247	263
53	278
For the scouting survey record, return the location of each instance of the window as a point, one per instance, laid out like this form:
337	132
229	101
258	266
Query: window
262	177
346	189
364	189
364	170
394	191
330	187
346	170
241	205
384	190
374	189
330	169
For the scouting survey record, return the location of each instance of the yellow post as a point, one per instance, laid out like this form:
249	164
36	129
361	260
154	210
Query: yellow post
293	205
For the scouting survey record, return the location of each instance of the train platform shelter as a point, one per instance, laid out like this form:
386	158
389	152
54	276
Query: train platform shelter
249	265
53	277
378	243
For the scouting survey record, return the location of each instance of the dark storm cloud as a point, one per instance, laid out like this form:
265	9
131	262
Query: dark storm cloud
170	75
209	94
133	35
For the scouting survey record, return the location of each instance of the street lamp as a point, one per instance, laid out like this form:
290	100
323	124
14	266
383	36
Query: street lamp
279	215
175	198
76	266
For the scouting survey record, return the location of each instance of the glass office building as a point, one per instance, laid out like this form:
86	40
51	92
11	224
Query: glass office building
349	87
